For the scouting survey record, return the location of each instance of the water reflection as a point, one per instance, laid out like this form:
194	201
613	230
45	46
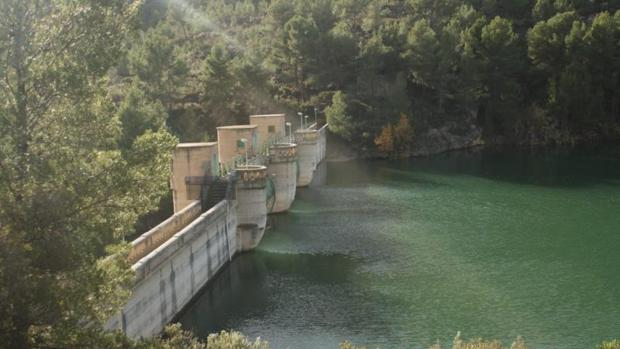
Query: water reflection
253	280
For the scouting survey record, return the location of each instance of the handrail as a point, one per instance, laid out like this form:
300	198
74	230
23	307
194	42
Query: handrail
260	158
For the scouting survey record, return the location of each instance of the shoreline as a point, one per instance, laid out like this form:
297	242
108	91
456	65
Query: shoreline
473	147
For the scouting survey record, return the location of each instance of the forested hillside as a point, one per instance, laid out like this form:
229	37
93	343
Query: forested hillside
388	74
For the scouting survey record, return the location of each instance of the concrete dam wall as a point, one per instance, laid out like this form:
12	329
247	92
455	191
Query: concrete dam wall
172	274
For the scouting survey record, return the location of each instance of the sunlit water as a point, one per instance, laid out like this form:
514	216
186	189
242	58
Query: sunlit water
400	254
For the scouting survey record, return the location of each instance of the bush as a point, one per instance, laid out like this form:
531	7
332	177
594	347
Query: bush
396	140
234	340
459	343
175	338
349	345
614	344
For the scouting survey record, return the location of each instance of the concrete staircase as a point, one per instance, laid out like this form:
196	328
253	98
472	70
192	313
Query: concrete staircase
215	192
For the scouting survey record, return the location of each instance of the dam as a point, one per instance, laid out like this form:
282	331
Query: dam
222	195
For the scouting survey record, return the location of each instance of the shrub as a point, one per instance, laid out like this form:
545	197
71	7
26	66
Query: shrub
614	344
396	140
175	338
349	345
234	340
459	343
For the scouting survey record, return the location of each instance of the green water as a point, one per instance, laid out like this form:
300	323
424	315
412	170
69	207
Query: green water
397	254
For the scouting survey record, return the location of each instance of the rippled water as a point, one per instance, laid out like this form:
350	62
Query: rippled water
397	254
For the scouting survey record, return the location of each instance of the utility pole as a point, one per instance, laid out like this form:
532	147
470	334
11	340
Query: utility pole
245	145
290	132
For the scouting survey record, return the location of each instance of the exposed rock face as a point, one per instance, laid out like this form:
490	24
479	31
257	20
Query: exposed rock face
446	138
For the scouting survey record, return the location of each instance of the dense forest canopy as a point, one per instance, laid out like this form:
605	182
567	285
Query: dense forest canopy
543	71
95	94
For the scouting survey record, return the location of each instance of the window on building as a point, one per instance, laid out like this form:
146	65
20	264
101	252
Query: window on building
271	129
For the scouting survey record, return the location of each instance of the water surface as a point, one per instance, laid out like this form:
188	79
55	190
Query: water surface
395	254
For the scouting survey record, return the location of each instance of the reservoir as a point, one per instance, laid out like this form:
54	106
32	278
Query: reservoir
403	253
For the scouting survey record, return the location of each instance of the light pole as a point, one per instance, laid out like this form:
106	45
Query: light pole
315	110
290	132
245	146
301	120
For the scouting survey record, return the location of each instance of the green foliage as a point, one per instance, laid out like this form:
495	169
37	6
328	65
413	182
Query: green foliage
423	53
338	117
234	340
76	169
158	63
138	114
574	54
446	63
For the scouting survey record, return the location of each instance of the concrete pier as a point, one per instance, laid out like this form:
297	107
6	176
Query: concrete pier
251	206
307	155
282	168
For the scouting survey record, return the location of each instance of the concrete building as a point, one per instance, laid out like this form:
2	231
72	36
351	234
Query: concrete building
271	128
190	162
230	147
